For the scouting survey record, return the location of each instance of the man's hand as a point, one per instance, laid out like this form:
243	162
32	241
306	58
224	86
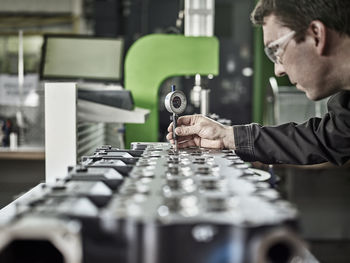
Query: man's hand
197	130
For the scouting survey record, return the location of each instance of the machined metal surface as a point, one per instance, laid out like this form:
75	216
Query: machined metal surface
151	204
198	185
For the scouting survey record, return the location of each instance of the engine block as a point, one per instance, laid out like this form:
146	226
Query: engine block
151	204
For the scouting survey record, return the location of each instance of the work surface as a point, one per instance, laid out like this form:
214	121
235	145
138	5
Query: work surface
152	204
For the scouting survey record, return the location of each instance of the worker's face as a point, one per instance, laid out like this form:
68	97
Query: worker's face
302	61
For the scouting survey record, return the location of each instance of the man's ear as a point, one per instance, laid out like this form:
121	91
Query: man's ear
318	32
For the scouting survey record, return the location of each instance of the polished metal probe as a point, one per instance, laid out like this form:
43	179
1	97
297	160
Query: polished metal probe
175	103
174	134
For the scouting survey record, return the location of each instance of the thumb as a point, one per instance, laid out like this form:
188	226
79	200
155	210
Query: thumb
187	130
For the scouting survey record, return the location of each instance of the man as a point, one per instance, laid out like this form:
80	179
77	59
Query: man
308	40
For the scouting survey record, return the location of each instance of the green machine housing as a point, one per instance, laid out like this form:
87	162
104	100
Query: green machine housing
154	58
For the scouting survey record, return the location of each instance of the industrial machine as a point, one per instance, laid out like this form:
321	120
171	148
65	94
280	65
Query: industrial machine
154	58
153	205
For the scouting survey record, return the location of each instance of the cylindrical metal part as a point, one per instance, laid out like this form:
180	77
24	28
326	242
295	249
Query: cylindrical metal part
196	91
205	102
199	18
277	246
37	239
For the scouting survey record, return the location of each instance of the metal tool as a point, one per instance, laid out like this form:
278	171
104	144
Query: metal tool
175	103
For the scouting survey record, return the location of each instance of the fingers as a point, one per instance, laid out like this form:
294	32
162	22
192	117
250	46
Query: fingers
186	120
187	144
190	141
184	143
200	142
170	136
170	127
213	144
187	130
185	138
181	139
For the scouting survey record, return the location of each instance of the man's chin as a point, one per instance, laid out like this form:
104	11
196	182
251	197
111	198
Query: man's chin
300	88
311	97
316	96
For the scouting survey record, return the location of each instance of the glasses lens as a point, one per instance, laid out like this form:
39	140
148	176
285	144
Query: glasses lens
275	49
271	53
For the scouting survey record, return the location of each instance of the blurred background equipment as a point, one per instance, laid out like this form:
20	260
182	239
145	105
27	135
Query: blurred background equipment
75	123
24	166
287	104
83	58
234	81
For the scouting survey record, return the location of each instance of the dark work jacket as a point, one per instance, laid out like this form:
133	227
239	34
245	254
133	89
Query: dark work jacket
315	141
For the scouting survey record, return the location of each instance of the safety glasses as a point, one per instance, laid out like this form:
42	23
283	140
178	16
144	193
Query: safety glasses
275	49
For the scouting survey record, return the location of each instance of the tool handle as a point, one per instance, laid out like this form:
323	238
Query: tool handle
174	127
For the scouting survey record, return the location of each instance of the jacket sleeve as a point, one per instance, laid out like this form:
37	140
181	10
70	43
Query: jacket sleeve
314	141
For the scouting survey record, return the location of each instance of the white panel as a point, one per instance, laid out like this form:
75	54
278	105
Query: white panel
60	128
95	112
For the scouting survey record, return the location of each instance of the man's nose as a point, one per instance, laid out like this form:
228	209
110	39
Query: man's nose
279	70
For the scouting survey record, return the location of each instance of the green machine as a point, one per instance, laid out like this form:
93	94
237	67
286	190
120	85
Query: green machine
154	58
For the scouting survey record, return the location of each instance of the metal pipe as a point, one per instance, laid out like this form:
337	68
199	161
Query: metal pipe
205	102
